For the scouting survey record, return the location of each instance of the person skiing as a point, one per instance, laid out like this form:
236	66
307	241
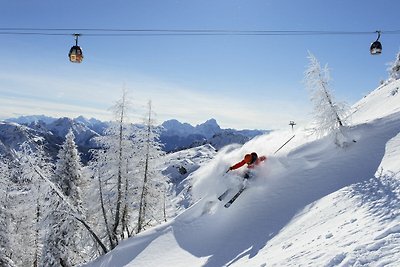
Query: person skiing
252	160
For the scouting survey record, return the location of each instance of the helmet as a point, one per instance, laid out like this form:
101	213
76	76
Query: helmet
248	158
254	157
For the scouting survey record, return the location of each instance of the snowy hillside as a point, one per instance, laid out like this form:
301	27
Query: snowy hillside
12	135
312	203
178	167
49	135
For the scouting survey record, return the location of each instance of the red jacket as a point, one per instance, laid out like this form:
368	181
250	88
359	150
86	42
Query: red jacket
250	166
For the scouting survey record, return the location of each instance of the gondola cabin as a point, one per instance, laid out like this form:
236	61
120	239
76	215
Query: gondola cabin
376	47
75	54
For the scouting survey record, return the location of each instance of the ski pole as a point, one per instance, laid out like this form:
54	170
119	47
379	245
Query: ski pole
285	143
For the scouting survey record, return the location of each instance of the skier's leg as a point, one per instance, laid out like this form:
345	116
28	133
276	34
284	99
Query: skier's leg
247	175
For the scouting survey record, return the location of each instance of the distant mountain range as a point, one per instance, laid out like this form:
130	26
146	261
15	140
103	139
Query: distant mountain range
50	133
177	136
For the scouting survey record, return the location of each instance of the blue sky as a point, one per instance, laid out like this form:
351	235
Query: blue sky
241	81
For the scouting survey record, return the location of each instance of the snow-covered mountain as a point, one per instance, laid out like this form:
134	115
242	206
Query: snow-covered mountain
31	118
174	135
83	134
311	204
93	124
177	136
12	135
42	120
206	129
50	135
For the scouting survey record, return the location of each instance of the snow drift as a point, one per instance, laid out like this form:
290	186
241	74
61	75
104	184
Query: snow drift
312	203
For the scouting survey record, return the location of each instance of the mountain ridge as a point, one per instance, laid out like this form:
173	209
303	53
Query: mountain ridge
174	135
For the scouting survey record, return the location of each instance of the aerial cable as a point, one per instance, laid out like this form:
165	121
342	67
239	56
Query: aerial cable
76	55
162	32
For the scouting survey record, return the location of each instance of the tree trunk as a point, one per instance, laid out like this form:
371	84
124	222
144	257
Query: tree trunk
36	256
330	103
98	240
164	208
119	178
105	215
143	204
125	212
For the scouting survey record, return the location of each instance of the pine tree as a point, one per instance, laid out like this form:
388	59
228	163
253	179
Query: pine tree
329	115
61	245
153	184
68	173
33	190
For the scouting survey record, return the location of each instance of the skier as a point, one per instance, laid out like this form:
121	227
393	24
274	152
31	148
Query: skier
252	160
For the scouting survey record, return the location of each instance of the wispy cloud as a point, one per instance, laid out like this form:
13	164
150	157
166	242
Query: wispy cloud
14	107
92	96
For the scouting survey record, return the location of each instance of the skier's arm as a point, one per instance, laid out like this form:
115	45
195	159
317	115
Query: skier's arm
237	165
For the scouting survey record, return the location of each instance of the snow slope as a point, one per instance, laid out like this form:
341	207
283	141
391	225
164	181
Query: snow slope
312	203
178	166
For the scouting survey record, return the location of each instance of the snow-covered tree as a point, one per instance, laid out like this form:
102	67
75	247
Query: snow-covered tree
394	68
113	172
27	203
329	115
68	173
64	232
56	239
5	244
152	188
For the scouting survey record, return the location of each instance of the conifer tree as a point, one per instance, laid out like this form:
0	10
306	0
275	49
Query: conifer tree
61	243
329	114
394	68
68	173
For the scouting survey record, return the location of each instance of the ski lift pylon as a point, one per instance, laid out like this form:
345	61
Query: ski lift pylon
376	47
75	53
292	123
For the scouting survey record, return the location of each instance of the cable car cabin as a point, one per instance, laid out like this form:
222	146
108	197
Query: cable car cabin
75	54
376	48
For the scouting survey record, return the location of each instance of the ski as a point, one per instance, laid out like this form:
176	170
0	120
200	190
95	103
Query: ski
229	203
221	197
